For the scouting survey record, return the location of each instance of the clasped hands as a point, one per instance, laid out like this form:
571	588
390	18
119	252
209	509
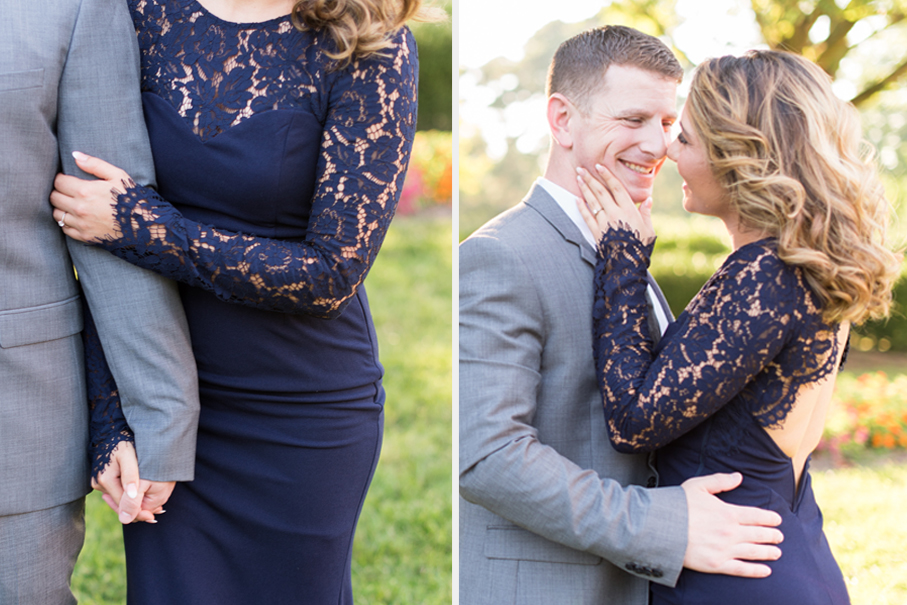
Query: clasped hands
132	498
606	205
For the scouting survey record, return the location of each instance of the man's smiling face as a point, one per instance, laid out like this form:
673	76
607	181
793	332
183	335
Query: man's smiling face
626	125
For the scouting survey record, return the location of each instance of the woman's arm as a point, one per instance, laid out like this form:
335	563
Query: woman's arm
729	333
364	154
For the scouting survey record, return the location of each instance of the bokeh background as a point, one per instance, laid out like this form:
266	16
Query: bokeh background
860	470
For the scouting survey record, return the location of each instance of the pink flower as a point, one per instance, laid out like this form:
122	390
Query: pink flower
412	191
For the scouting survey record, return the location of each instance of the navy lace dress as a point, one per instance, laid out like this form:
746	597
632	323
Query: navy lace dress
278	173
729	367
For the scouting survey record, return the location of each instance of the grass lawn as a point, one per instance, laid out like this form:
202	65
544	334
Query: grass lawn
862	506
402	554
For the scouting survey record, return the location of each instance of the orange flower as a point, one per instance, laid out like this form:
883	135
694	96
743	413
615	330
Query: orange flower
445	184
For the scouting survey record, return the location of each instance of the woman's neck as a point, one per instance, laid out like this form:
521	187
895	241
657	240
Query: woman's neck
248	11
741	236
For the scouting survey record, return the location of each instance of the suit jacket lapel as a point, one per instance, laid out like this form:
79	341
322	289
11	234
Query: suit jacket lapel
544	204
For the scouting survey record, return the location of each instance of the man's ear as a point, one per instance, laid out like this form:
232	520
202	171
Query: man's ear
561	113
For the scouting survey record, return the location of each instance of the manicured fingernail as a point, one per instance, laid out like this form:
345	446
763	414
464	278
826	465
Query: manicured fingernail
599	167
124	518
579	170
151	521
79	156
131	490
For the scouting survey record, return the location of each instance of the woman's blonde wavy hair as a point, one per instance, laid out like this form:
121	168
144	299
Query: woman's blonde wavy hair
360	27
792	157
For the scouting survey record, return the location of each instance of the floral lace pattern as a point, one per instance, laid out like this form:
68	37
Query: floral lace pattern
107	425
221	73
742	349
217	75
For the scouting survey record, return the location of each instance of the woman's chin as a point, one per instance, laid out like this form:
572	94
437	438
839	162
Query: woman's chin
688	204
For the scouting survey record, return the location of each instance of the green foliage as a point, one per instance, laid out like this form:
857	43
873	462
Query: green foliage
435	42
886	334
402	552
687	252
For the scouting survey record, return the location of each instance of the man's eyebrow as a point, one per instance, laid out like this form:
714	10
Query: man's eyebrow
641	113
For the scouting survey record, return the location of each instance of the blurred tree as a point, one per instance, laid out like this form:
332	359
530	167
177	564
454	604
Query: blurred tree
826	31
435	42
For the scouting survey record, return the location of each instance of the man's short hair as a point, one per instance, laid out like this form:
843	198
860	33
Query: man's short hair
579	65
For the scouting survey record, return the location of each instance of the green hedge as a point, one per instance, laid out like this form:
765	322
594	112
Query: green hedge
687	252
435	43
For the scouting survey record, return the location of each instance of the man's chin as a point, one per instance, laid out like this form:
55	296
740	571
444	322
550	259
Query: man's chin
639	195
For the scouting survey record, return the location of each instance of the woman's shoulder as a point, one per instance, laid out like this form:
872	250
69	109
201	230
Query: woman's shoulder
753	272
756	271
400	54
759	262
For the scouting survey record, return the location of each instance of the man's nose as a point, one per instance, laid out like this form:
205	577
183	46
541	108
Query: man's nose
672	149
656	141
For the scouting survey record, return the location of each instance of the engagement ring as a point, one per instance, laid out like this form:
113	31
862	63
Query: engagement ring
62	221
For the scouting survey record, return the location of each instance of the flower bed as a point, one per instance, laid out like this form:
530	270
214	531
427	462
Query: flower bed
429	179
868	411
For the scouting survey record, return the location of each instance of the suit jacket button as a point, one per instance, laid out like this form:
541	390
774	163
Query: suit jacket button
651	482
657	573
631	566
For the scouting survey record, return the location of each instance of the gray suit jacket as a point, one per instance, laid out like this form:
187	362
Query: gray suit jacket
69	81
550	512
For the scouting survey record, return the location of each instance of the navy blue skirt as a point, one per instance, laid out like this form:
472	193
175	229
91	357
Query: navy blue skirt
271	514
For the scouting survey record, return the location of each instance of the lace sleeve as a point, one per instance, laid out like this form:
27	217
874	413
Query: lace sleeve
365	150
736	325
107	423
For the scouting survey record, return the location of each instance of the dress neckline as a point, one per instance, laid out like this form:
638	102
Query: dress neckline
252	24
765	241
